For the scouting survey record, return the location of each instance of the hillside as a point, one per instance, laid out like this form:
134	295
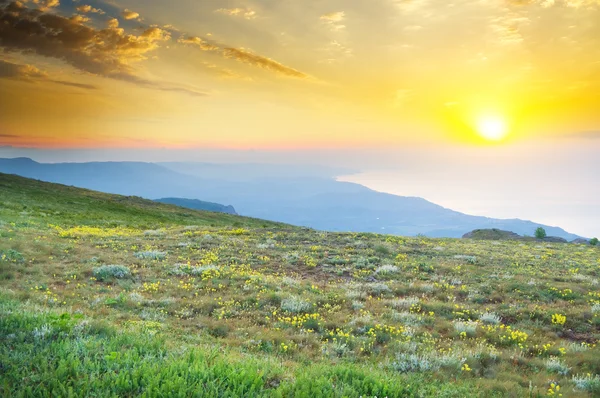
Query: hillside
303	198
24	198
107	295
198	205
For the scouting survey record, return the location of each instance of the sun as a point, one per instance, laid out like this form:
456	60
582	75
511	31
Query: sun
492	128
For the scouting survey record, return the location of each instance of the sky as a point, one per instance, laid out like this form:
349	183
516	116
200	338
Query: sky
472	92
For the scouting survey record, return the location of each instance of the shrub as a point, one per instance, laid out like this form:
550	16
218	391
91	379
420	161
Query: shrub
151	255
292	258
589	383
295	305
405	302
12	256
540	233
490	318
594	241
199	270
106	272
555	365
467	258
424	363
468	327
383	250
219	331
386	269
378	288
413	363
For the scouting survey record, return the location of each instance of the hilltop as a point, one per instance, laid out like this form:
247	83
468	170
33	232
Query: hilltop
109	295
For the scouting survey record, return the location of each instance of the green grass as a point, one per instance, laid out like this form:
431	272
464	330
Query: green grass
150	302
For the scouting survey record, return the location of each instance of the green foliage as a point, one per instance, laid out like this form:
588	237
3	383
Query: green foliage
11	256
540	233
594	241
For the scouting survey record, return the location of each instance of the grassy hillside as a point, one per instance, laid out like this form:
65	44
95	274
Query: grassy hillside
26	200
95	303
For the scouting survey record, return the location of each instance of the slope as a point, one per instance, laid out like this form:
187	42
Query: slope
59	204
89	306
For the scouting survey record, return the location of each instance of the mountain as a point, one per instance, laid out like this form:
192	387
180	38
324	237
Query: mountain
251	171
198	205
304	199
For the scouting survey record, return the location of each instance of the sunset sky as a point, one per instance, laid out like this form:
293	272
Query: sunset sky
423	76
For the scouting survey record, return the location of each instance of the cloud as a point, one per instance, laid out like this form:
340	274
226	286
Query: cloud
242	12
244	56
550	3
73	84
29	73
507	28
88	8
45	5
337	16
333	20
412	28
336	52
247	57
128	14
196	41
9	70
106	52
112	23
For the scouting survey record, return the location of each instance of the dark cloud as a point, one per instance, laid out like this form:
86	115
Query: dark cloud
29	73
9	70
108	52
73	84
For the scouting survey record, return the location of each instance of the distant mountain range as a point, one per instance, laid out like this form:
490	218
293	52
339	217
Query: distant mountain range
198	205
291	194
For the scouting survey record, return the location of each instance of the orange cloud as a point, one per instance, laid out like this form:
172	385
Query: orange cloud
106	52
88	8
128	14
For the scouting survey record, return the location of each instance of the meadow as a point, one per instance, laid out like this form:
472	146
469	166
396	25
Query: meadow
104	295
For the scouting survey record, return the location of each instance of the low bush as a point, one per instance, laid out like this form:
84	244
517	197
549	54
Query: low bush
106	272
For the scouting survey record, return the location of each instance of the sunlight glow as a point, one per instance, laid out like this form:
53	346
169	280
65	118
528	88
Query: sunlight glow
492	128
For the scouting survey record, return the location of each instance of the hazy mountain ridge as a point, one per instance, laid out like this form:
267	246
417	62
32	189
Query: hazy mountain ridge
310	200
199	205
